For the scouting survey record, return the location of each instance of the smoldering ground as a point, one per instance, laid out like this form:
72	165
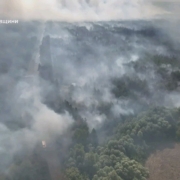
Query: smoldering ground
55	73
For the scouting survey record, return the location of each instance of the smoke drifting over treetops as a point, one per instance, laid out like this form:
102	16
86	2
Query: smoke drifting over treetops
53	74
79	10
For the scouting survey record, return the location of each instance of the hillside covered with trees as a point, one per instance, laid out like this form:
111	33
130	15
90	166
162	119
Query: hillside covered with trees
91	101
121	156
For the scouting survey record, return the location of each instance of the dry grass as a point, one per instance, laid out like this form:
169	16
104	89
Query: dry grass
164	164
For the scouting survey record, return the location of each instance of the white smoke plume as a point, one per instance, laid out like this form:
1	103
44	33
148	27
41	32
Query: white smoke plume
78	10
45	123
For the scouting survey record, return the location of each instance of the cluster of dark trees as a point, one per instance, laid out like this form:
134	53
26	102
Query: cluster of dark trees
124	154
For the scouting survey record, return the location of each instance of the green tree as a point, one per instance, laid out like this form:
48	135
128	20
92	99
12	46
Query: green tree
93	138
73	174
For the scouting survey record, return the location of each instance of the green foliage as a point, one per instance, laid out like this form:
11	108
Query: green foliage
131	170
154	125
123	155
90	161
76	156
93	139
128	86
159	60
73	174
120	158
107	173
81	134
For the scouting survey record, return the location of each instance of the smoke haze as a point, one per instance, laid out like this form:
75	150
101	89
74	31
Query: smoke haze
79	10
55	73
81	69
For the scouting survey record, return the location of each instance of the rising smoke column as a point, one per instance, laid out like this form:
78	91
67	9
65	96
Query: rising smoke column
24	119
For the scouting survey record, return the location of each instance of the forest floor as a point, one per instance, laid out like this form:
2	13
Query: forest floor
164	164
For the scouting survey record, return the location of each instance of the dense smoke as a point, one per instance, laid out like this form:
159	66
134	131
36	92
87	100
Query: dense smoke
25	120
79	10
28	122
52	74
